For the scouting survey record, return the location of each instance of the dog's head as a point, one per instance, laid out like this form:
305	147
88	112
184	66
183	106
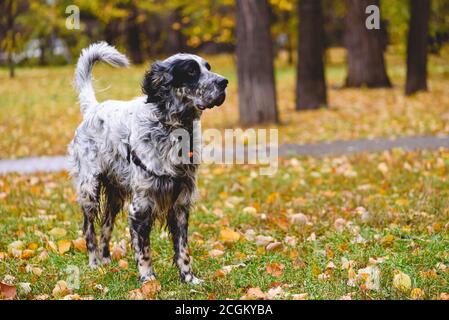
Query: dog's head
187	78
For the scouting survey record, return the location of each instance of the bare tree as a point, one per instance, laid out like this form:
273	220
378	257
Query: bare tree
256	85
311	84
417	46
366	64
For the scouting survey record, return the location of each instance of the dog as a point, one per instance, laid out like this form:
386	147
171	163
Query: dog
125	151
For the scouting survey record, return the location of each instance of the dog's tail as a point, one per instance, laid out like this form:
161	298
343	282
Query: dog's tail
100	51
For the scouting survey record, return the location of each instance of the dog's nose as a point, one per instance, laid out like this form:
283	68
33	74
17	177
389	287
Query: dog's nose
222	83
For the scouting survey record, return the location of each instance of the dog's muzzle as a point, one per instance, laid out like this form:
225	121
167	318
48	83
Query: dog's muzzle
221	85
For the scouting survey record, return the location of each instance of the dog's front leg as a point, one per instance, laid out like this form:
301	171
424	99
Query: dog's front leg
140	221
178	225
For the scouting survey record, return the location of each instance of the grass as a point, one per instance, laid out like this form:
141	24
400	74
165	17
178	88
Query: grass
39	110
405	194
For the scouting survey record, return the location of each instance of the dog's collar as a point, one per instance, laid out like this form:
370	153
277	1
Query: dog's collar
132	156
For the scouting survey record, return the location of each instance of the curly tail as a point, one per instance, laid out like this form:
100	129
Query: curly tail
100	51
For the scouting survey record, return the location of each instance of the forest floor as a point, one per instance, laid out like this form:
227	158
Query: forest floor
363	226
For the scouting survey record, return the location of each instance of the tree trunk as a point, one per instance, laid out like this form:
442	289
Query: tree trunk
417	46
10	31
366	64
311	84
256	85
133	36
175	39
11	65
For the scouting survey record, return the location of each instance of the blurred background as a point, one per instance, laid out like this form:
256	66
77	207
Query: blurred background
303	66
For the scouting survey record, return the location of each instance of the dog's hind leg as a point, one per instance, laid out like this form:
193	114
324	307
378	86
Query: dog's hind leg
114	203
141	221
178	218
89	202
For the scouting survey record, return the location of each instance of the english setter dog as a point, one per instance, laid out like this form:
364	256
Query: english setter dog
127	150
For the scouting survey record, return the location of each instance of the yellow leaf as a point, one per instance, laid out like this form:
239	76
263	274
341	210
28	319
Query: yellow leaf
229	235
26	254
64	246
61	289
402	282
52	246
57	232
417	294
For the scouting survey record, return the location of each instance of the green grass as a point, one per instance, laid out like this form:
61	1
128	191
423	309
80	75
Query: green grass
408	207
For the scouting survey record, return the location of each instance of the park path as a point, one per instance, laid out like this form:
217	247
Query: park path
59	163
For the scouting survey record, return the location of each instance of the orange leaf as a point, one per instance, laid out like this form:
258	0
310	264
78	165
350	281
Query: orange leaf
7	291
275	269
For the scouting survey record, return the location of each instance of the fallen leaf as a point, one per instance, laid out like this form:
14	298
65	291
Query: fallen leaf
417	294
402	282
249	210
262	241
42	297
382	167
136	294
274	246
340	224
299	219
119	250
61	289
43	256
80	244
444	296
25	287
7	291
57	232
387	241
275	293
72	297
254	294
27	254
229	235
275	269
369	277
64	246
150	289
214	253
123	264
300	296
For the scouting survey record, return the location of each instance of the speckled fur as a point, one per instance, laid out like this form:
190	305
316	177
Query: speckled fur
101	163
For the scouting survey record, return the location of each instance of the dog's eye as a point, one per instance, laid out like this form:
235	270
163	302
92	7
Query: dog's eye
192	71
208	66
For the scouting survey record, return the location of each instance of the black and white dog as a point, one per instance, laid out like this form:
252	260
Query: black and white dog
126	150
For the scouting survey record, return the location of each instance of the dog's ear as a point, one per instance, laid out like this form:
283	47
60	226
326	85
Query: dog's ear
157	82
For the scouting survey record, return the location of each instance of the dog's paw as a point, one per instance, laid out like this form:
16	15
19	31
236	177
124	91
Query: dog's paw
146	278
106	260
190	278
196	281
